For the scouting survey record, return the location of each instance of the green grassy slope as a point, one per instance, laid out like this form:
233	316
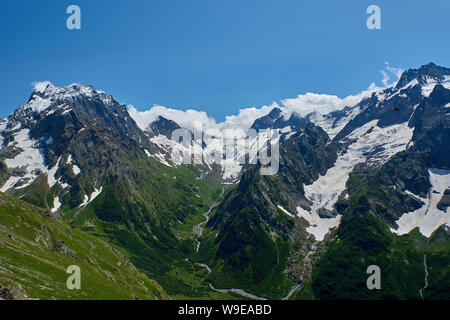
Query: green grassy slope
36	249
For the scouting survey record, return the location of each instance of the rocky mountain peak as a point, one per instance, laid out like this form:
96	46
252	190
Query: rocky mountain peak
268	120
46	96
162	126
276	120
421	74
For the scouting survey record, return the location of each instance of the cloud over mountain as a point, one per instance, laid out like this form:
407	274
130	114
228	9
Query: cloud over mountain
303	104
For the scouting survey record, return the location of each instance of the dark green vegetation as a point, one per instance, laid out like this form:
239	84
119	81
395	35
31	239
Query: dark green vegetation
250	239
363	237
158	235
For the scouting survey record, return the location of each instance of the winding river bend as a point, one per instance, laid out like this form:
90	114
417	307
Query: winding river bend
246	294
198	228
306	261
198	231
426	275
241	292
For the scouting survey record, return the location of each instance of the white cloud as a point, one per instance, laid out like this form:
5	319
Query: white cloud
40	86
303	104
323	103
388	72
185	119
246	117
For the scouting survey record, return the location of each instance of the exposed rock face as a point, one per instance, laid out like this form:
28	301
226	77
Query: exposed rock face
268	121
63	249
74	138
444	203
162	126
397	104
423	74
5	293
276	120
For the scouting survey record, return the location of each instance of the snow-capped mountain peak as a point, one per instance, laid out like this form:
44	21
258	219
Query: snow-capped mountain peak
423	75
45	94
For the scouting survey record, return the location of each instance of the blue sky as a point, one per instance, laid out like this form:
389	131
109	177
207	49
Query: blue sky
214	55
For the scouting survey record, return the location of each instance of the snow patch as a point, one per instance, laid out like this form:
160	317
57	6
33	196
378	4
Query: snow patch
51	180
89	199
40	86
328	125
38	104
51	174
388	141
95	194
56	204
286	129
430	83
428	87
285	211
29	159
213	152
76	170
318	226
446	82
428	218
85	201
324	192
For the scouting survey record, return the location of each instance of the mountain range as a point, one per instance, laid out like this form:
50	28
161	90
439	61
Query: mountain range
364	181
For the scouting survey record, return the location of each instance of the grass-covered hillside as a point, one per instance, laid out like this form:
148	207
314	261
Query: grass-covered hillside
36	249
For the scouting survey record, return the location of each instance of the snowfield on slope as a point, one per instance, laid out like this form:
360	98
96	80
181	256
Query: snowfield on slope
324	192
318	226
216	147
329	125
428	218
428	87
30	159
88	199
56	204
